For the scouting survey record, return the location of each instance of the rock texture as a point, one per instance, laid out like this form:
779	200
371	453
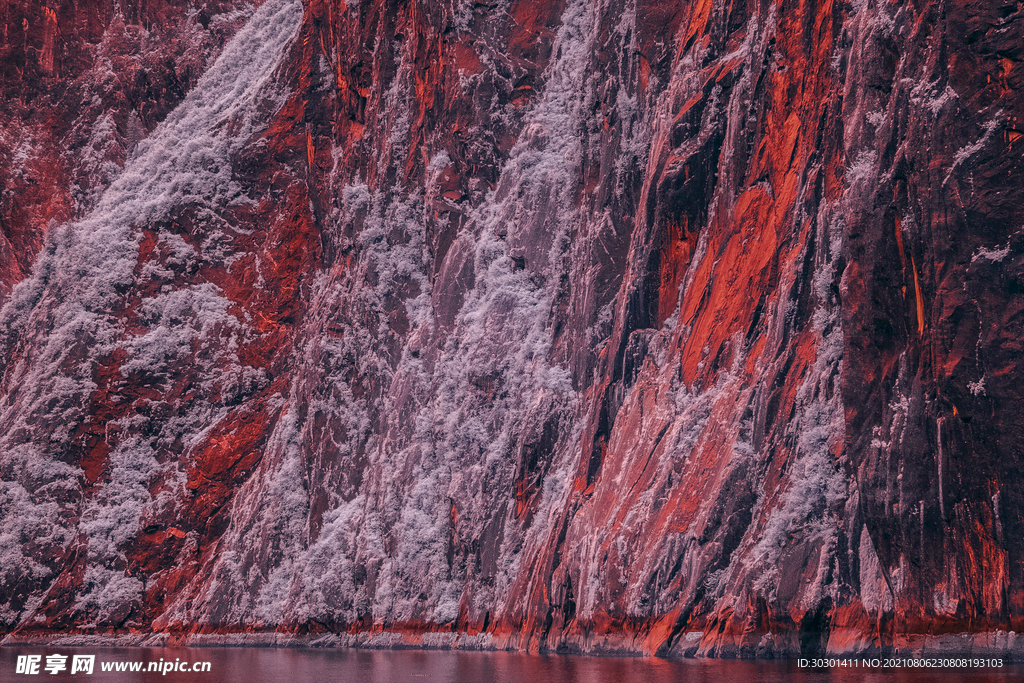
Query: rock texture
605	325
83	82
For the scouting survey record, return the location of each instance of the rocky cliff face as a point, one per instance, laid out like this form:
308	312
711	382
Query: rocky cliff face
83	82
588	325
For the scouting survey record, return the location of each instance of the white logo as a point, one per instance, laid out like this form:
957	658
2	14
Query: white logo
28	664
82	664
56	663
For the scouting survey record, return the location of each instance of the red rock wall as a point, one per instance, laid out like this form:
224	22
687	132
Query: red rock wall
83	82
613	326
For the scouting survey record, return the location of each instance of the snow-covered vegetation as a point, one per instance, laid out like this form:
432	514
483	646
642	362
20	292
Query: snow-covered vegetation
66	319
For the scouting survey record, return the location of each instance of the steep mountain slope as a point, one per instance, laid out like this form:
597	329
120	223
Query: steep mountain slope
595	326
83	81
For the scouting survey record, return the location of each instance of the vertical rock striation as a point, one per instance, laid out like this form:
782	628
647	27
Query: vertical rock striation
578	326
83	81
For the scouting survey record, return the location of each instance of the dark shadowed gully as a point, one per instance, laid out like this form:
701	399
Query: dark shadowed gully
598	326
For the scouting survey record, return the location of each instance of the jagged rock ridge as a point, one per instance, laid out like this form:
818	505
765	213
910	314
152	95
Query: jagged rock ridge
599	326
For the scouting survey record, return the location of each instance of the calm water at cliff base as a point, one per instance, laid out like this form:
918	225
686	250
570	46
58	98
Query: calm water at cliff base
258	665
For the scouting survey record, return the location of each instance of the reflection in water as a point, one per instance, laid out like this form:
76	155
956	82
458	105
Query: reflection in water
268	665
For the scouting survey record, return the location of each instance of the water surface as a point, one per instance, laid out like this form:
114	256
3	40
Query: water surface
269	665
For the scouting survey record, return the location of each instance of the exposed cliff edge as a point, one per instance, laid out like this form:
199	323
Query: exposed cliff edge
614	326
